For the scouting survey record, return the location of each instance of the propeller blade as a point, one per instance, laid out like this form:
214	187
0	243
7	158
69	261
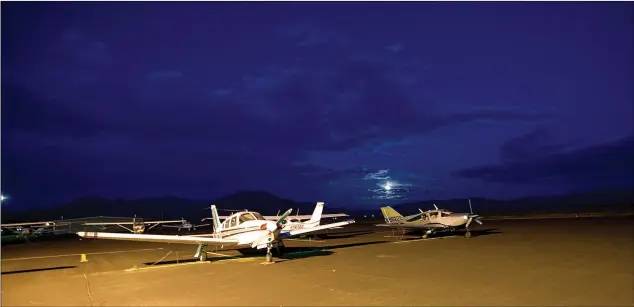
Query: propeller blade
282	219
469	222
478	221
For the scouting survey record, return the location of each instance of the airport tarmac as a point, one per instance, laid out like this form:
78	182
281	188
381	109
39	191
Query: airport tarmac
566	262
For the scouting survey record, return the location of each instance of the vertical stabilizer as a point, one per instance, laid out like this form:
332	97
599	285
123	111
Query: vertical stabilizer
316	217
391	216
216	219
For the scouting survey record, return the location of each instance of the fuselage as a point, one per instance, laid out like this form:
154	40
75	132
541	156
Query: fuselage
442	219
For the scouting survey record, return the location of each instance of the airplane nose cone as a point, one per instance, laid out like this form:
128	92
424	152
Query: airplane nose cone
271	226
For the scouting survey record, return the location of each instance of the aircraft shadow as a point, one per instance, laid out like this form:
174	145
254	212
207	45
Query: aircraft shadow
474	233
166	262
39	270
289	256
343	235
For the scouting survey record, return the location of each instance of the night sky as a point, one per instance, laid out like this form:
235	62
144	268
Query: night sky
350	103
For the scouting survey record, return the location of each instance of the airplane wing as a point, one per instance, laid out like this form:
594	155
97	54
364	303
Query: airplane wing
157	238
163	222
173	226
301	217
414	225
108	223
131	223
305	217
317	228
48	223
201	225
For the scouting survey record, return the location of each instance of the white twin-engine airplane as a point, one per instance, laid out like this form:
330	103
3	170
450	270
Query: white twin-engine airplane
186	225
241	228
295	221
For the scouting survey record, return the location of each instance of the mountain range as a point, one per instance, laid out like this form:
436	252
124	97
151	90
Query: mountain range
269	204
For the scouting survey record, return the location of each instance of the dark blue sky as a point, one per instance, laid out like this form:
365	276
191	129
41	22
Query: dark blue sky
315	101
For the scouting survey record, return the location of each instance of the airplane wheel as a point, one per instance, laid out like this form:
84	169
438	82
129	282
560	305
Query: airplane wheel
269	258
203	256
425	236
467	234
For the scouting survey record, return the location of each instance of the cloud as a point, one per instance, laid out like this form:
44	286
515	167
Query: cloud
164	120
395	48
606	165
310	34
536	143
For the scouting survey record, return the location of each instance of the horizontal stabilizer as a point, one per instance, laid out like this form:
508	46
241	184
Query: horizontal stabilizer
316	228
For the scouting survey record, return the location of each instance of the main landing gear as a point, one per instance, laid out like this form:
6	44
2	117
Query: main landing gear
201	252
427	233
467	234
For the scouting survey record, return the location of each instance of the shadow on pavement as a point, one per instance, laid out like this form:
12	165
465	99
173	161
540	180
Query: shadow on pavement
39	270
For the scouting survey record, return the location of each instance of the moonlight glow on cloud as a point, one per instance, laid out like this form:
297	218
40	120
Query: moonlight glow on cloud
386	187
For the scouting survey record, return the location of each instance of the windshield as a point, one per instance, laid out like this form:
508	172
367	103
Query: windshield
257	216
246	217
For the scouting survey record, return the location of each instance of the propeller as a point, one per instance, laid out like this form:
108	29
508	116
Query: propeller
472	217
282	220
271	234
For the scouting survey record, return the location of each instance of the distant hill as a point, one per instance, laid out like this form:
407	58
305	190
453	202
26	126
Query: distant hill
166	207
269	204
591	201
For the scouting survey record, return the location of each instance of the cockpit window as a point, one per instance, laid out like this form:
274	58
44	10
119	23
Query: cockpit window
257	216
445	213
234	221
246	217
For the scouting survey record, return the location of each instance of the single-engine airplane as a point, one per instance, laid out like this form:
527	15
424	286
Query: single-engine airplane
432	221
138	225
34	228
241	228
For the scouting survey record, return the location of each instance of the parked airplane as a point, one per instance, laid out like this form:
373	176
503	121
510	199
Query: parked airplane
241	228
186	225
297	217
138	225
295	221
34	228
438	220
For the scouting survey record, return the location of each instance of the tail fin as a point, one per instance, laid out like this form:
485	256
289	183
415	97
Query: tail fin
316	217
391	216
216	219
